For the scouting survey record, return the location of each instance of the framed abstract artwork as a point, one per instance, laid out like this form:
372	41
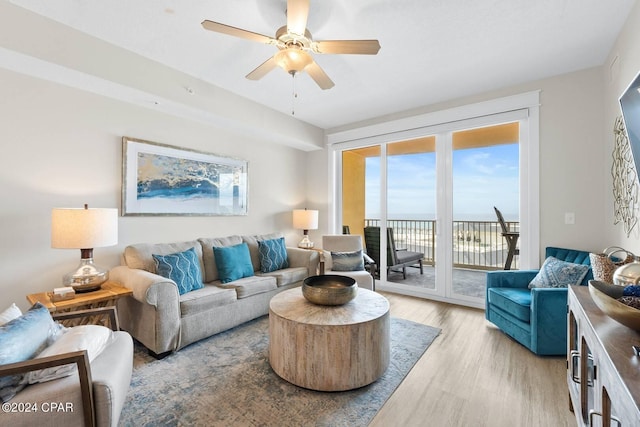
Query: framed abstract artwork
164	180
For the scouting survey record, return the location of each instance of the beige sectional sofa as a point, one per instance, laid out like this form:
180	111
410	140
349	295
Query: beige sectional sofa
165	321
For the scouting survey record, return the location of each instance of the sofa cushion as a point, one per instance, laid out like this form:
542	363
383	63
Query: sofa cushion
233	262
252	242
141	255
288	276
208	243
273	255
206	299
254	285
347	261
516	301
181	267
556	273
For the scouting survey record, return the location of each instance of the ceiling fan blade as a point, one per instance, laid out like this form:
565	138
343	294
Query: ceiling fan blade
236	32
319	76
363	47
262	69
297	14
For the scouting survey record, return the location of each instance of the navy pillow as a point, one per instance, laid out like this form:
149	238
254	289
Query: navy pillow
233	262
182	267
22	339
347	261
273	255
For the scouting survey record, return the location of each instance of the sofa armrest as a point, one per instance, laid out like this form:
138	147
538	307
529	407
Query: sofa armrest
510	278
303	258
80	358
146	286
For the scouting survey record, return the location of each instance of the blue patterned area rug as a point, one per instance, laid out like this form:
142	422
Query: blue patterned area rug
226	380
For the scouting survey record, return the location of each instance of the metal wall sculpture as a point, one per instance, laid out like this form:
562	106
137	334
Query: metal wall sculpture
625	181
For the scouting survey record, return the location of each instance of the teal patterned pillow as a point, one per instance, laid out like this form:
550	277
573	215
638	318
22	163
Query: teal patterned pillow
233	262
182	267
347	261
273	255
556	273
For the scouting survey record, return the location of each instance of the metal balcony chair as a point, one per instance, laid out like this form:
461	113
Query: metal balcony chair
395	257
511	237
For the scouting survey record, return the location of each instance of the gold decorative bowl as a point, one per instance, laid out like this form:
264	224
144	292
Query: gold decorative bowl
605	296
329	289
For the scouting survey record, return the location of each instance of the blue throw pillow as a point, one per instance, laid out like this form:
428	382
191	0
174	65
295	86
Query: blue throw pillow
182	267
233	262
273	255
556	273
22	339
347	261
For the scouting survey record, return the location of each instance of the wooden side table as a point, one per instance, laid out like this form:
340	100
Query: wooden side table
106	296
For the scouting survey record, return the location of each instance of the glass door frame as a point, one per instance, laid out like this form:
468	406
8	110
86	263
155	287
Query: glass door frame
523	108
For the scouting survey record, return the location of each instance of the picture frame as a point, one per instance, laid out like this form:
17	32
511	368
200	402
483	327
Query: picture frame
165	180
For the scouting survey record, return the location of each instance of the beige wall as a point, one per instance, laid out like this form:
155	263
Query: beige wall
61	147
620	68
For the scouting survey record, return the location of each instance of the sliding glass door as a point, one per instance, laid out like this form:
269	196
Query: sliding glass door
485	177
431	201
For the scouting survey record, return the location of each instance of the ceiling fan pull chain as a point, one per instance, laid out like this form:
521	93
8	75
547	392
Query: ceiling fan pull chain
294	93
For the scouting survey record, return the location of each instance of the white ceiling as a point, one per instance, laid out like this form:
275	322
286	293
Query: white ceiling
432	50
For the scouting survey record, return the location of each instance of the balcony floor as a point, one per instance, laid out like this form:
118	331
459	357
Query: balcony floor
466	282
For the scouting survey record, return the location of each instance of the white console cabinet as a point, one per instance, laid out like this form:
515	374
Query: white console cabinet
603	372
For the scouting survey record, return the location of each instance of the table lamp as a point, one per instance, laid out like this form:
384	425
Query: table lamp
84	229
305	220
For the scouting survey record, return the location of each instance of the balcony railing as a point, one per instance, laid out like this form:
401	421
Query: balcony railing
477	245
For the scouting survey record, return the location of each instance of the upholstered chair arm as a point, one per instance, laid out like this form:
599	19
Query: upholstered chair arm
510	278
548	318
303	258
80	358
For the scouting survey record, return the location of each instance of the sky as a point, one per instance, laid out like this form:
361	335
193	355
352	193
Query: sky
482	178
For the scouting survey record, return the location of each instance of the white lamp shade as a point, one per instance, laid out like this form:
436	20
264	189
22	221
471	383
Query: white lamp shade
83	228
304	219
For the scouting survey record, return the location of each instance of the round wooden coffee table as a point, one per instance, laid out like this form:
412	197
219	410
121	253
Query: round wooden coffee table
329	348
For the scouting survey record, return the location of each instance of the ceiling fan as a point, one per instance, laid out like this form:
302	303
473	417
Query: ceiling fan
295	45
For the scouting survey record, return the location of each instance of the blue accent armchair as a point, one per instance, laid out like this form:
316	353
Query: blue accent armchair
536	318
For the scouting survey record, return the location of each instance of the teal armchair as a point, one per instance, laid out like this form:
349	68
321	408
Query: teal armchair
536	318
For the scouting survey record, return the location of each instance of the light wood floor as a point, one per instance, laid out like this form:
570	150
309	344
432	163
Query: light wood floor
474	375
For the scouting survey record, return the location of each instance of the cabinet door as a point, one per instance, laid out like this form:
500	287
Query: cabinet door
573	360
587	380
616	410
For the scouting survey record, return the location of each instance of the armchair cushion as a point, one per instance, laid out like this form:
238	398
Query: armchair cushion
93	338
181	267
516	301
347	261
273	255
556	273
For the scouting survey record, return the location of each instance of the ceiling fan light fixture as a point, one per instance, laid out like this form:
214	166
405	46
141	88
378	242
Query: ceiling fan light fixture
292	59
